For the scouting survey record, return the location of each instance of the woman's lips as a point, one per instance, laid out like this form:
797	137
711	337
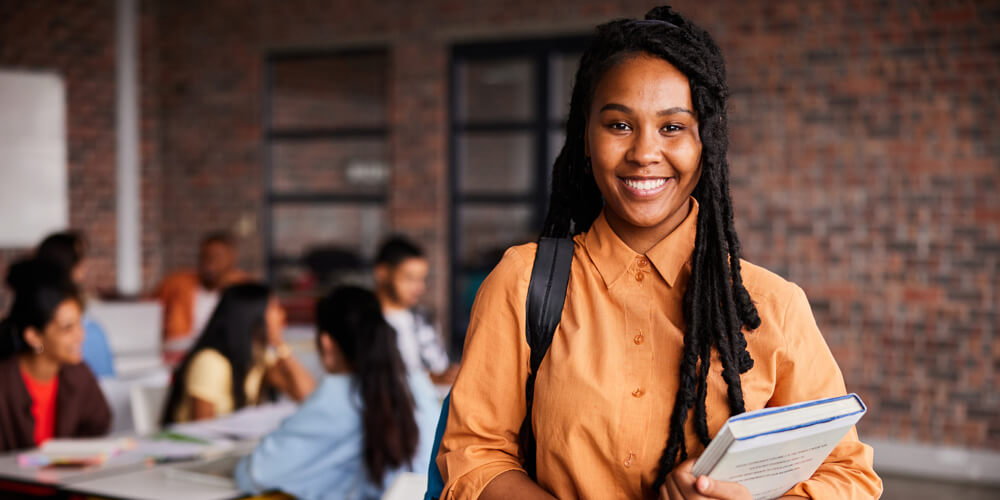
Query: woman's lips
645	187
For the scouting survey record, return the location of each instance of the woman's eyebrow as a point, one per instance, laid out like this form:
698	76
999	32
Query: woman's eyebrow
611	106
627	110
674	110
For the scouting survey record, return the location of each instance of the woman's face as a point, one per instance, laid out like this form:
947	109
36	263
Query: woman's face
642	139
63	336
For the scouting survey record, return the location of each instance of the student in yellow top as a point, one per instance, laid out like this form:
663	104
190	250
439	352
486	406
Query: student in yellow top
239	354
665	332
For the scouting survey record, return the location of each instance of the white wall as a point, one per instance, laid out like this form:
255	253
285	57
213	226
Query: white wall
34	198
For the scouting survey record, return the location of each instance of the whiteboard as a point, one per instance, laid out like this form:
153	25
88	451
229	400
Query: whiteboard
34	198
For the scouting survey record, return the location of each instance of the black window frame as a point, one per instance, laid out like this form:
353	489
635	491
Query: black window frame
271	135
540	126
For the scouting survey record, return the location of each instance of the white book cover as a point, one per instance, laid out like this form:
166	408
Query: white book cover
771	450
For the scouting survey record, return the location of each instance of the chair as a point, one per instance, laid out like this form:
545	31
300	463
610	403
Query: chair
147	401
118	394
133	331
406	486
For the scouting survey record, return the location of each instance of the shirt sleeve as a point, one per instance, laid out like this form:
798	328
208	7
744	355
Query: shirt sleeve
431	350
209	378
808	371
487	401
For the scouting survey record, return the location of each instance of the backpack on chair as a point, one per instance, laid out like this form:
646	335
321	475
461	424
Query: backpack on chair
546	296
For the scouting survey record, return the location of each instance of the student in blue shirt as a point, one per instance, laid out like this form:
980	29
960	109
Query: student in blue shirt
366	422
67	251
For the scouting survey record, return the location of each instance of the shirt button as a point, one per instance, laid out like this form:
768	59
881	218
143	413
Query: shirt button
642	261
638	338
639	276
637	392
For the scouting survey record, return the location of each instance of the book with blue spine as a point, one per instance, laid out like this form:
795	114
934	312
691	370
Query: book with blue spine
772	449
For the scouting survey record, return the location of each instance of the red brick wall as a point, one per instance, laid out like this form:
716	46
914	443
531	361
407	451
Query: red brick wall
864	154
76	39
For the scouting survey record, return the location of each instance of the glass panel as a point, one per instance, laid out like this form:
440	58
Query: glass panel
488	230
562	71
495	162
300	228
496	90
556	140
354	166
347	90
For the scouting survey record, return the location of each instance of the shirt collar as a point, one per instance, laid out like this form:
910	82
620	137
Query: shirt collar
669	256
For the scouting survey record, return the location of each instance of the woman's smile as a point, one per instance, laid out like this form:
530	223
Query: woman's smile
647	187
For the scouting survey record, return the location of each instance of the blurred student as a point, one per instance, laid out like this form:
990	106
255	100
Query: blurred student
190	296
240	353
67	251
401	280
41	368
368	420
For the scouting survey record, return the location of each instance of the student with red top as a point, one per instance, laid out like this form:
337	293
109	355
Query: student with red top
46	390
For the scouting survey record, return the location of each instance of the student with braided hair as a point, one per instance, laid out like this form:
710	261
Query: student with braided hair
665	332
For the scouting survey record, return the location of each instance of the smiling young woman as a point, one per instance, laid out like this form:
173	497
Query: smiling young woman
665	331
41	364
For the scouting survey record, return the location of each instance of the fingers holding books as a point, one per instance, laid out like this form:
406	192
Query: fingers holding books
682	485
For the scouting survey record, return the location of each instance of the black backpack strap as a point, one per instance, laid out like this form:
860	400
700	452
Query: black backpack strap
546	295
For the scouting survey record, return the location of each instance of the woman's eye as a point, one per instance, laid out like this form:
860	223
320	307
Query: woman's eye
672	128
619	126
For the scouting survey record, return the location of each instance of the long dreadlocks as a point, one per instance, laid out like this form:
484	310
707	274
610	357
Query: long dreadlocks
716	304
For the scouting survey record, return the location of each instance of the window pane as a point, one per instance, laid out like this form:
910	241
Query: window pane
496	90
562	72
347	90
495	162
346	166
487	230
556	140
299	228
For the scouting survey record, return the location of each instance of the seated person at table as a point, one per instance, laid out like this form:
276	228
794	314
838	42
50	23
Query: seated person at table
241	353
401	279
67	251
42	369
189	296
367	421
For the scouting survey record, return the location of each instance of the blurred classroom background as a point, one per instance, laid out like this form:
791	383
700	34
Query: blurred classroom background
864	152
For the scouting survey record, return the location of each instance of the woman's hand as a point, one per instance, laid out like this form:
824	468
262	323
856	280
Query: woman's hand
682	485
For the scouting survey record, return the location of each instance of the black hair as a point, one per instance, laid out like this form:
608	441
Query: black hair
65	249
352	317
222	237
716	304
396	249
39	289
236	325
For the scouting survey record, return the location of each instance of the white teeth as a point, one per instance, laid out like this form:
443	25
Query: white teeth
645	185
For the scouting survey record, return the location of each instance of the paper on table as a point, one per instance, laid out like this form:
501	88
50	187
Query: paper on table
249	423
171	450
74	452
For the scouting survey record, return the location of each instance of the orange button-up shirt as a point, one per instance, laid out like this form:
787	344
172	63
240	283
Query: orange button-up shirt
605	390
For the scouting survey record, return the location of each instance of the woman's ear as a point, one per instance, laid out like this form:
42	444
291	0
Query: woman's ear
34	338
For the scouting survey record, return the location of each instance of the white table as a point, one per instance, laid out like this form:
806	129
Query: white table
129	475
154	483
57	476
